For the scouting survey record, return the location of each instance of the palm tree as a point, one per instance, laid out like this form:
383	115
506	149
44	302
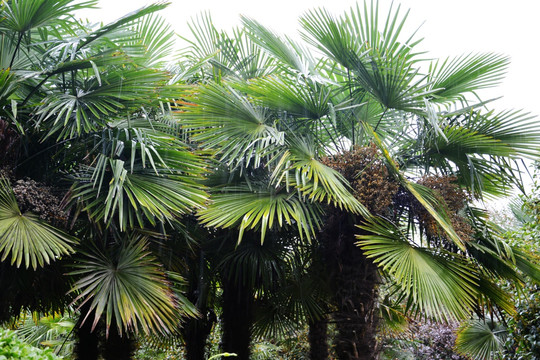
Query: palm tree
361	137
86	112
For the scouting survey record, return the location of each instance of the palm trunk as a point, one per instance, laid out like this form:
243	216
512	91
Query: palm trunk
118	347
87	345
355	282
195	331
318	340
237	318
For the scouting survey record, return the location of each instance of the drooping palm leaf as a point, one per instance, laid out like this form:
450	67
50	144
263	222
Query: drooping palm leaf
26	238
299	167
23	15
424	195
126	286
440	284
261	209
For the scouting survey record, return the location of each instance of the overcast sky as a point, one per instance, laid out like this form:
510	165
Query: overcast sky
449	28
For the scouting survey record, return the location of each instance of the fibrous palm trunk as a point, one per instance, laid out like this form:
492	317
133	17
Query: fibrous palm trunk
318	340
118	346
87	345
355	280
195	331
237	318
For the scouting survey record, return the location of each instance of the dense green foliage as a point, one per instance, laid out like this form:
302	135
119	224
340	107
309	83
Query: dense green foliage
12	348
258	187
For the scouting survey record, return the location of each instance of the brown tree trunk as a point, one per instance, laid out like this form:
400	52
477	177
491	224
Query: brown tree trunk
237	318
318	340
87	344
355	283
118	347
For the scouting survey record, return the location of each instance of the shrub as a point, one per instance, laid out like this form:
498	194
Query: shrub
12	348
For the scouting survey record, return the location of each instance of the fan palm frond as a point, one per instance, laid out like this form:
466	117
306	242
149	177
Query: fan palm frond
261	209
23	15
286	51
454	78
90	108
25	237
223	118
440	284
125	285
480	340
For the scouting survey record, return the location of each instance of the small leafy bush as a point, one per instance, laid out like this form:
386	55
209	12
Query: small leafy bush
12	348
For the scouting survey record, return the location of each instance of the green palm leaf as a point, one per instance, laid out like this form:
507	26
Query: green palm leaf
126	286
26	238
157	38
23	15
138	174
90	108
348	38
223	118
299	167
424	195
219	55
260	209
454	78
124	21
438	283
286	51
301	99
480	340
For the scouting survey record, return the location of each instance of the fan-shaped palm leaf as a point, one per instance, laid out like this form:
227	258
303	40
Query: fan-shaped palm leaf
261	209
90	108
301	99
292	55
346	39
126	286
124	21
222	118
454	78
300	168
23	15
26	238
480	340
439	283
138	175
228	55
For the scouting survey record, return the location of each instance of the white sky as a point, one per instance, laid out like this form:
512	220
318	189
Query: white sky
449	28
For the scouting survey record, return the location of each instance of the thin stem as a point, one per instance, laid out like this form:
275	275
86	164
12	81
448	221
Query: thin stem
378	122
44	150
350	96
35	89
16	49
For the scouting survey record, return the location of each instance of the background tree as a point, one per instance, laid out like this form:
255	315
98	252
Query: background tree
426	137
85	113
